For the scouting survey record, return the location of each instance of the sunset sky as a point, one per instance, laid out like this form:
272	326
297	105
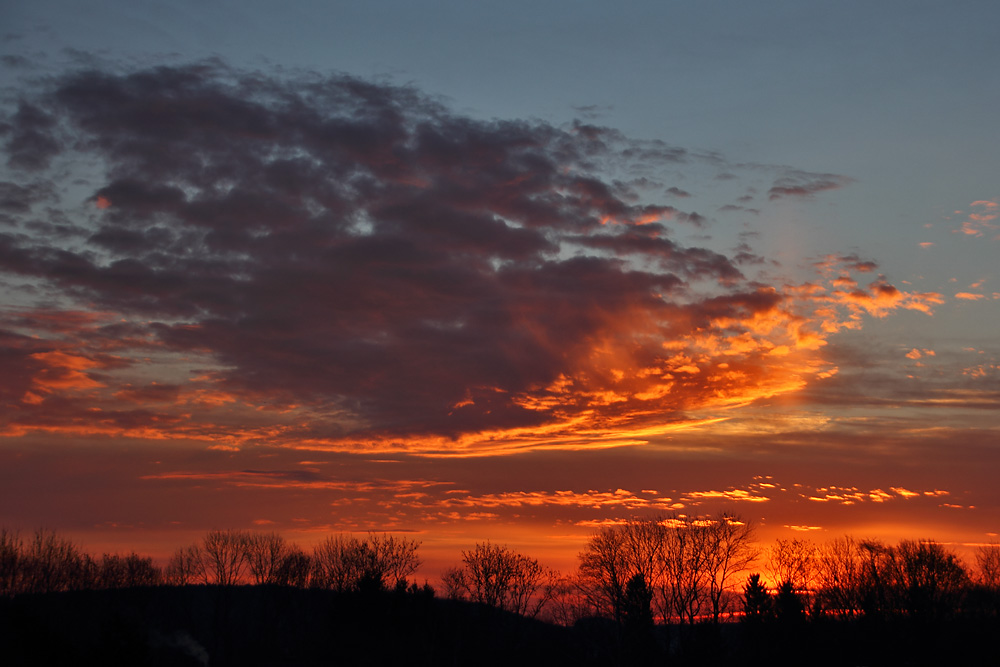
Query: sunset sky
506	271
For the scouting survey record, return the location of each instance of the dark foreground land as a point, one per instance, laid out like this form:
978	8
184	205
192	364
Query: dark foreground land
271	625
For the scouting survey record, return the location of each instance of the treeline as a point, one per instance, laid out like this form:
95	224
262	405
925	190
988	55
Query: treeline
46	562
706	569
850	578
687	567
678	570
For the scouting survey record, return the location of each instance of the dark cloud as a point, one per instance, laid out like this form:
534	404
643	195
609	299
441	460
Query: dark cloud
360	251
796	183
733	207
851	262
14	60
16	198
30	138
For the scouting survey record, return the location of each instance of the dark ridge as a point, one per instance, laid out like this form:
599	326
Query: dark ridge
271	625
277	625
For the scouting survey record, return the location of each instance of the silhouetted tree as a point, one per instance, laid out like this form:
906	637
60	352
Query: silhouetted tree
794	561
224	556
294	568
788	608
11	562
117	571
930	578
683	587
839	575
265	554
186	566
877	582
690	564
567	603
756	601
392	559
604	571
730	549
988	566
637	621
757	614
52	563
914	578
500	577
346	563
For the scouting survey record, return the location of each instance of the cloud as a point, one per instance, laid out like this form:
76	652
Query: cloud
801	184
324	261
16	198
982	220
733	495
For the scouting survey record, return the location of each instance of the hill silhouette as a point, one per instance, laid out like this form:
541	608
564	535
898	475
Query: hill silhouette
273	625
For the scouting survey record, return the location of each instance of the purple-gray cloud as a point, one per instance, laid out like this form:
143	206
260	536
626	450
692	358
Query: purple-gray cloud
359	248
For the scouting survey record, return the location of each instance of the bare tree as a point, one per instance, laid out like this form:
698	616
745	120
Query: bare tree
794	561
129	571
988	565
11	562
604	571
839	574
391	559
683	592
52	563
729	550
266	552
878	578
224	554
294	569
186	566
567	603
689	564
931	579
500	577
336	563
345	563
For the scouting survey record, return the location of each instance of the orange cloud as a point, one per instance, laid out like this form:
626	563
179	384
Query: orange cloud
736	495
982	221
64	371
638	377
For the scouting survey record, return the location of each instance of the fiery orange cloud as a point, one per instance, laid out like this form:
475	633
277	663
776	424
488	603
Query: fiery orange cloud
612	393
853	495
735	495
969	296
593	499
64	371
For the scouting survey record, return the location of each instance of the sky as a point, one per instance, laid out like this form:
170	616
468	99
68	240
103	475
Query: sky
498	271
